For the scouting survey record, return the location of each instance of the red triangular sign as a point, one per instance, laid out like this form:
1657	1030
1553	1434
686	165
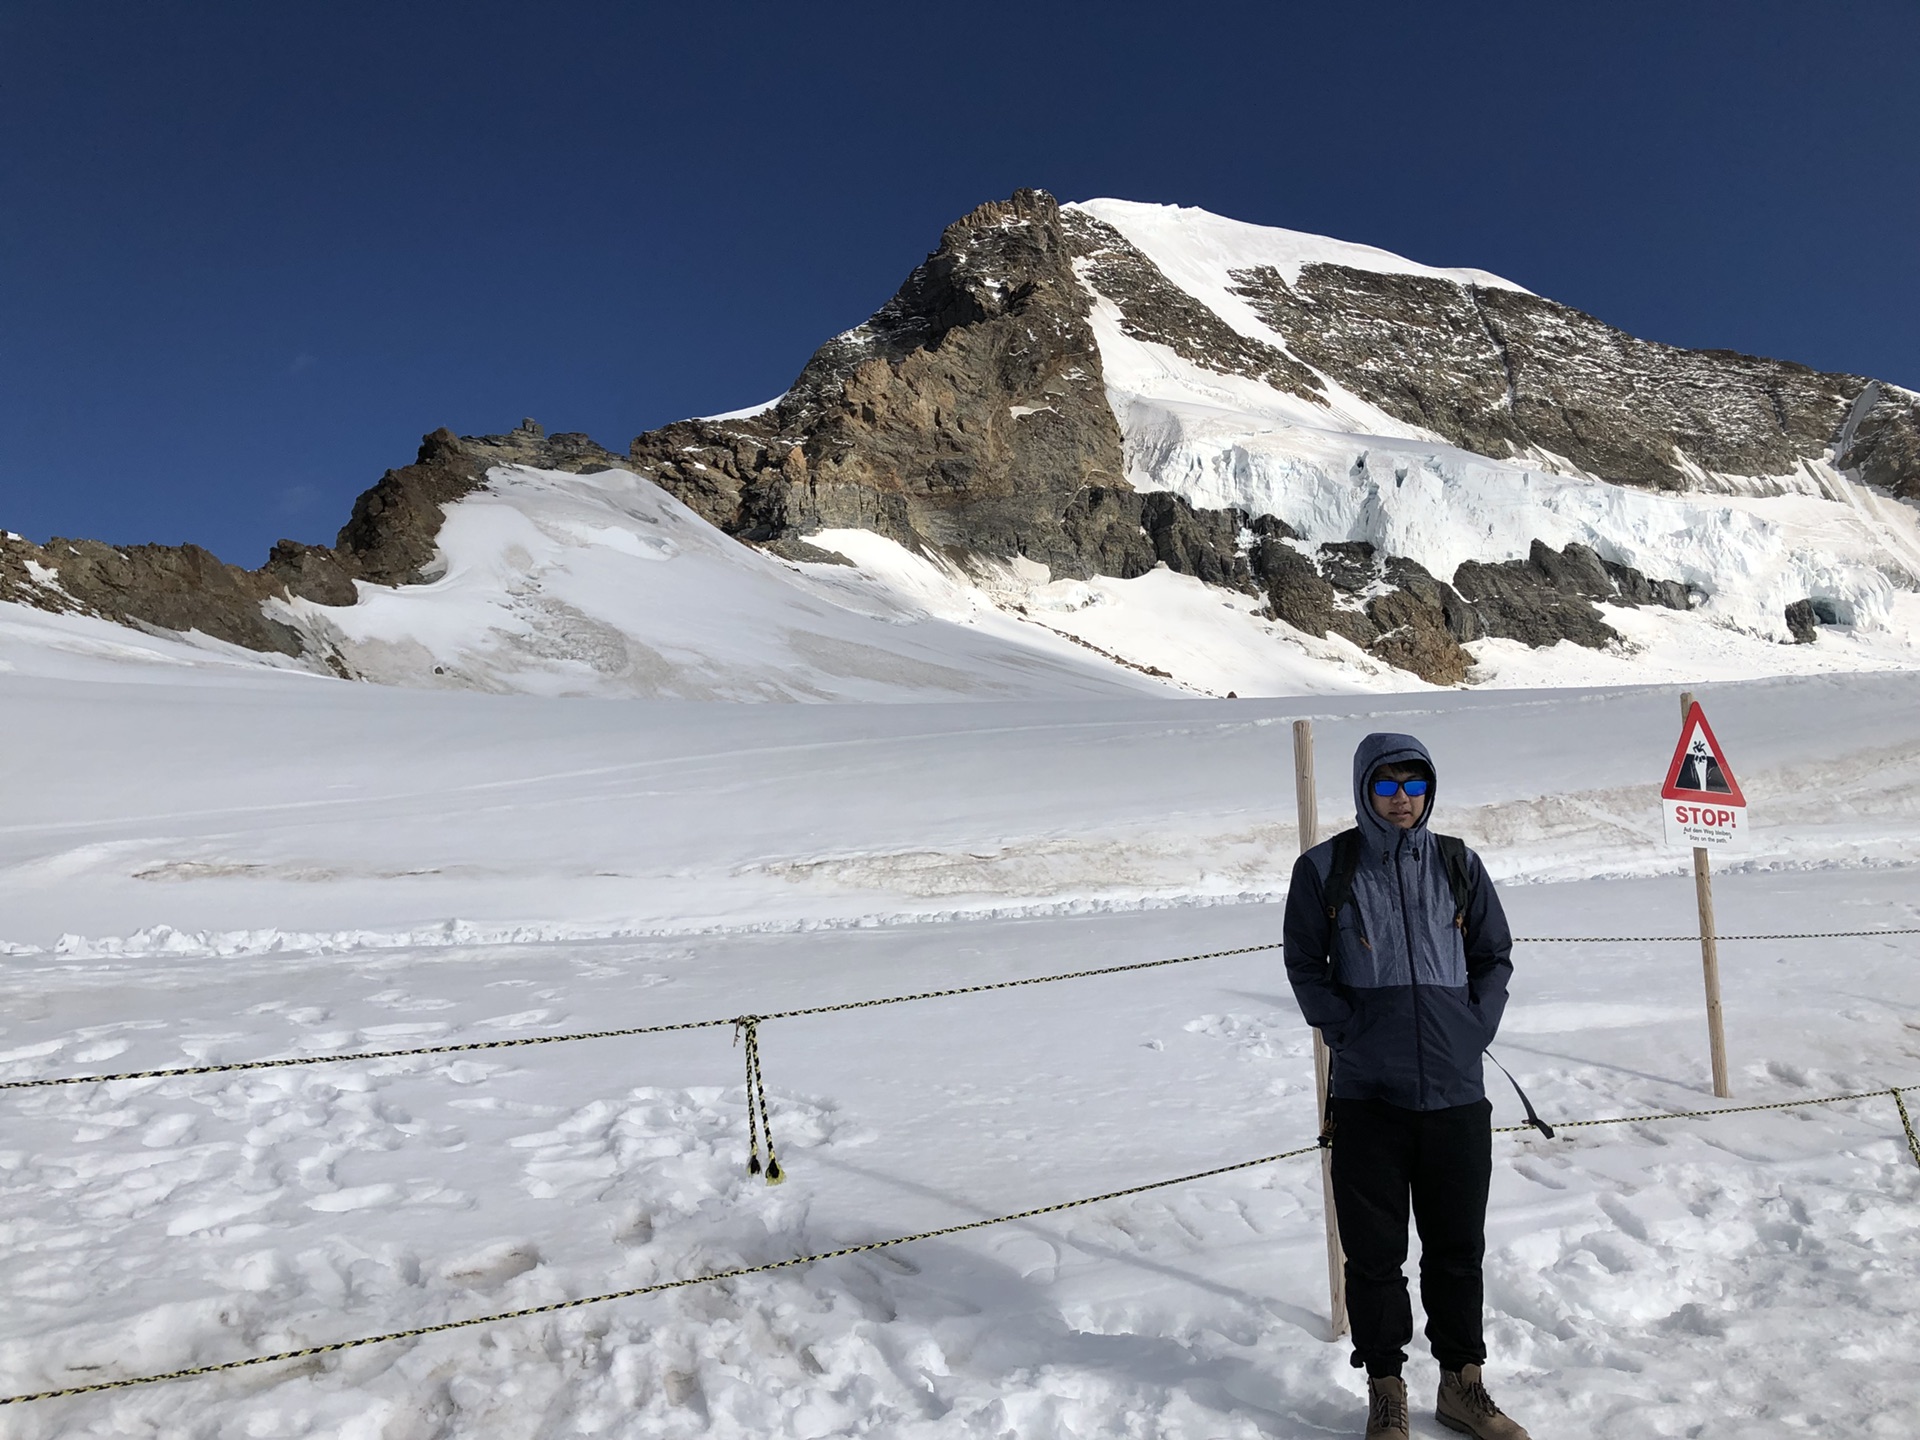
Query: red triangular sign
1699	770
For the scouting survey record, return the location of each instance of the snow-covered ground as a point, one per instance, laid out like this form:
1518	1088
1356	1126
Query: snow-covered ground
204	861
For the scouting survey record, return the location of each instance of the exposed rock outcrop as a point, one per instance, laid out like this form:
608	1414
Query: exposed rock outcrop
1549	596
1501	372
1395	610
390	537
389	540
1802	624
1881	440
160	587
965	417
1389	606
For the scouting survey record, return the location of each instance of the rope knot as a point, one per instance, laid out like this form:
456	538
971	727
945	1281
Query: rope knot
746	1028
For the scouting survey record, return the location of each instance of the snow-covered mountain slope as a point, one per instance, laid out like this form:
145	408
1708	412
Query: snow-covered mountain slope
1200	251
604	584
1437	466
1337	468
1345	472
553	583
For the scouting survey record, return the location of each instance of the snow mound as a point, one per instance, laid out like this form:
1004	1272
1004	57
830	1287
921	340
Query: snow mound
553	583
1196	248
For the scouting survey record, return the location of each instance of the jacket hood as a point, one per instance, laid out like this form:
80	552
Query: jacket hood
1386	749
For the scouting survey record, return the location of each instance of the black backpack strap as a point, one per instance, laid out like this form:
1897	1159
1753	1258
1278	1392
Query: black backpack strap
1532	1119
1453	854
1346	860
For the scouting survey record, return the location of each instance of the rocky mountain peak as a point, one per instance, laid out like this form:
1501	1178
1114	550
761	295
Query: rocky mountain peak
973	417
963	417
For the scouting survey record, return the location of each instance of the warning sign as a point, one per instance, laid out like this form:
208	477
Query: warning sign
1701	800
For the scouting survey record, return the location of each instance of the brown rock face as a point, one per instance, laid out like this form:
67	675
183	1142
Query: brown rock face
1414	636
1549	596
964	417
162	587
390	538
1498	372
1881	440
1386	605
388	541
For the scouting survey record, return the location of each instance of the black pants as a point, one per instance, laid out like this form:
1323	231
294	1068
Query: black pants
1441	1160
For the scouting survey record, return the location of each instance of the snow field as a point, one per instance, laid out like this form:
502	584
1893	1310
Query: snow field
259	865
604	584
1627	1263
297	814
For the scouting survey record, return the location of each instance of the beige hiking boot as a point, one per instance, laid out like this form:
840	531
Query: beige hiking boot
1464	1405
1386	1408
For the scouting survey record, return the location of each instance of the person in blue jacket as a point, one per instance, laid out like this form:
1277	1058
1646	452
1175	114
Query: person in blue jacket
1406	982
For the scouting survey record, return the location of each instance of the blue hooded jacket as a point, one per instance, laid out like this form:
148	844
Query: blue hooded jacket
1406	999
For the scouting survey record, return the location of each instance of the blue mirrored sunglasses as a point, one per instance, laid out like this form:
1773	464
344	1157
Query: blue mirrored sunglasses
1384	788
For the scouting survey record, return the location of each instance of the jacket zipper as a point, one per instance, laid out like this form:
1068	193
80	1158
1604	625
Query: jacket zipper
1413	977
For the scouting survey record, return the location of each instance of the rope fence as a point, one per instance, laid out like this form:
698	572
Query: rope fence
467	1047
1695	939
555	1307
738	1021
746	1034
709	1278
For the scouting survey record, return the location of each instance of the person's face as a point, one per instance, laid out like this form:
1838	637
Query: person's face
1399	808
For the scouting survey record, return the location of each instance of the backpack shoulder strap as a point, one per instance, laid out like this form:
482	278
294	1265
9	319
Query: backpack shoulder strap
1346	860
1453	854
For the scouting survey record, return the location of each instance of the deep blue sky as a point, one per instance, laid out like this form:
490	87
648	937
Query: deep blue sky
250	252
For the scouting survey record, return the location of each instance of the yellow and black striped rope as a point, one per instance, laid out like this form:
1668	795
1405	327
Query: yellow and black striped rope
311	1351
1899	1100
759	1117
469	1046
1695	939
1906	1123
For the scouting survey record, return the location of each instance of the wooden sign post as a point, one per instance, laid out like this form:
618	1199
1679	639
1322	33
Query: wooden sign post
1701	802
1307	804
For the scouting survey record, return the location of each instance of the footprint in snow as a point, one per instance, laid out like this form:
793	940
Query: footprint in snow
359	1197
493	1265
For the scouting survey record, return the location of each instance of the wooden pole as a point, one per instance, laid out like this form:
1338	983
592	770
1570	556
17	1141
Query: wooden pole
1709	947
1306	801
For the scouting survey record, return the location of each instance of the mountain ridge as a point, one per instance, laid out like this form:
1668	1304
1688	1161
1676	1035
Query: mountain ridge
976	418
